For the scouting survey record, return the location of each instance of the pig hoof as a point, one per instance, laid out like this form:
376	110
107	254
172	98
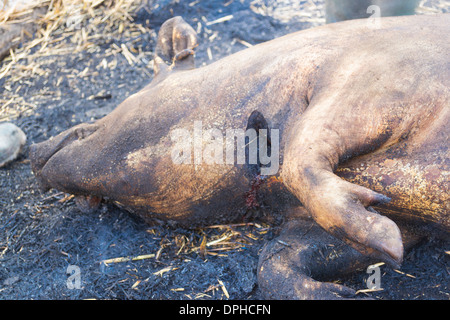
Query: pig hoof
87	204
292	265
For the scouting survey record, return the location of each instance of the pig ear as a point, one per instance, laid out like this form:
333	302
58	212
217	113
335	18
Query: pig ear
175	45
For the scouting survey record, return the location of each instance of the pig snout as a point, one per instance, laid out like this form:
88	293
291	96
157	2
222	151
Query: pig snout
41	153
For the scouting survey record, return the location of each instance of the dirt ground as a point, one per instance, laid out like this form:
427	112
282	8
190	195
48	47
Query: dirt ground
42	234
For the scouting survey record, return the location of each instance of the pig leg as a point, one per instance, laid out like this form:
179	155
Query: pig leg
326	135
291	265
294	264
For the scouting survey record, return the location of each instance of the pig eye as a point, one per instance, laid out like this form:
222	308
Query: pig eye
80	134
85	131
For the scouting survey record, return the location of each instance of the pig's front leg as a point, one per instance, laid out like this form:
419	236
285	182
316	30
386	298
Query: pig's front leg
328	133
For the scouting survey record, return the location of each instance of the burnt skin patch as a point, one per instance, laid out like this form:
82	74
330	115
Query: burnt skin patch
432	173
372	170
391	178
